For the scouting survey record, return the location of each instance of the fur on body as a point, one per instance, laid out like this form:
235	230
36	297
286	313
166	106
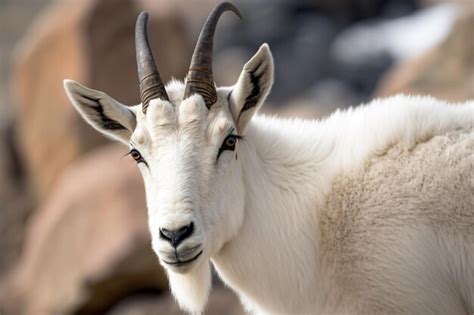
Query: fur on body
370	210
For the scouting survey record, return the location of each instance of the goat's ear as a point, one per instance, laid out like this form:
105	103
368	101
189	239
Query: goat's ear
101	111
251	90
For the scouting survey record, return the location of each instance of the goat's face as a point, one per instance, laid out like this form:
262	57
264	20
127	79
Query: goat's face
188	155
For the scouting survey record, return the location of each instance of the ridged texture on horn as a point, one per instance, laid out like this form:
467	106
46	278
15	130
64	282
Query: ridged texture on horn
200	79
151	86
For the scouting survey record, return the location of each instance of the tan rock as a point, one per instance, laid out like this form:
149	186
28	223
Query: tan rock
445	72
89	243
90	41
15	198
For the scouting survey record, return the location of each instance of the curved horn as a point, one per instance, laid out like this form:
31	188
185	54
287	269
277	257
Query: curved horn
150	82
200	79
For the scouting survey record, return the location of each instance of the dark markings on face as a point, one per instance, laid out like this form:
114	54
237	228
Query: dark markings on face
107	123
252	99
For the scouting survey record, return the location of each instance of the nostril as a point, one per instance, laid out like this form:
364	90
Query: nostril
165	234
175	237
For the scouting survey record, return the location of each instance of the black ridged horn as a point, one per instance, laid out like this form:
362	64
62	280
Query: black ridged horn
151	86
200	79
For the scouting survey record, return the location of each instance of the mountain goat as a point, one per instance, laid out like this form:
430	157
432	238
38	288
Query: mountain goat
368	211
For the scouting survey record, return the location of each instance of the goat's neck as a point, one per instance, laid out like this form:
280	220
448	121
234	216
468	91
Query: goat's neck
277	243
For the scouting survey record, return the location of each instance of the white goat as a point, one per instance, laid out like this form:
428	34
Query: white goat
368	211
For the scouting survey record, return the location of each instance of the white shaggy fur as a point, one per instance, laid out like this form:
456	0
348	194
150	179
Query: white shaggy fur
368	211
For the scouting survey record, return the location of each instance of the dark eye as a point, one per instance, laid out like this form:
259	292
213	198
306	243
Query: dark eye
136	155
228	144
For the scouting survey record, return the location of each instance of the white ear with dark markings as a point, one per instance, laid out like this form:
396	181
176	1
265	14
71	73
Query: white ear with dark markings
101	111
252	88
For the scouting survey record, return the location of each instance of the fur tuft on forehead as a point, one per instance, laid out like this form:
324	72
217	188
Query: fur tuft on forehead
176	112
175	89
192	109
190	114
161	113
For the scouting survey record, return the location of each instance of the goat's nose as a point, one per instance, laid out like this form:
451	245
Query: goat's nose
175	237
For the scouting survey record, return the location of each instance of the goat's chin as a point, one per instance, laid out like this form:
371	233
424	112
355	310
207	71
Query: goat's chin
191	289
184	266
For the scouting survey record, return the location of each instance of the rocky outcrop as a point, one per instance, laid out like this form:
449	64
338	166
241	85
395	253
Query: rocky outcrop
15	198
95	46
88	246
444	72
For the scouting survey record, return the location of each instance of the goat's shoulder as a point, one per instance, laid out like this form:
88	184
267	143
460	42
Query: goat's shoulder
398	209
431	181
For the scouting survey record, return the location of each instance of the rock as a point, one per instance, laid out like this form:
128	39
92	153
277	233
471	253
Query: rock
95	46
16	17
444	72
88	246
15	198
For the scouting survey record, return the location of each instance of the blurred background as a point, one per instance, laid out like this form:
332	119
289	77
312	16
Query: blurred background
73	231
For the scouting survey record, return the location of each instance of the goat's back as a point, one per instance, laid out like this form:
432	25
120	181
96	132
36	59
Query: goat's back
397	235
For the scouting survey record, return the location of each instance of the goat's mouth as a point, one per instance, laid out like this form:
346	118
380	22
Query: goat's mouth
180	263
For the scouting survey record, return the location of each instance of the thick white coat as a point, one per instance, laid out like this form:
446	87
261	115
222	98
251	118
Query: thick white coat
285	218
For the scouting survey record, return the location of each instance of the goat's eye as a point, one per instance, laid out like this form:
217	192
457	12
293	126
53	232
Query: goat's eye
230	141
228	144
136	155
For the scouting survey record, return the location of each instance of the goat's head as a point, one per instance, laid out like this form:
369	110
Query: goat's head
185	140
